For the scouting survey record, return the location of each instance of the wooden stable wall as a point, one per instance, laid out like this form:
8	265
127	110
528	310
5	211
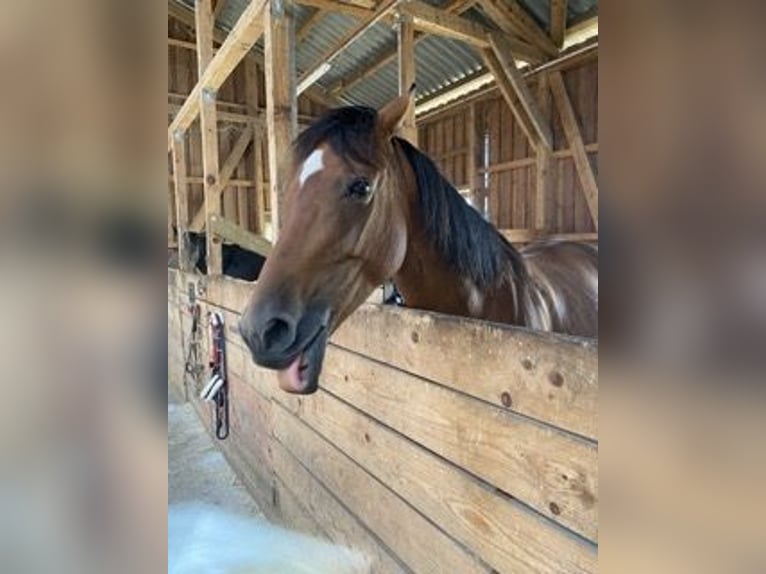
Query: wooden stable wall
241	101
510	160
434	444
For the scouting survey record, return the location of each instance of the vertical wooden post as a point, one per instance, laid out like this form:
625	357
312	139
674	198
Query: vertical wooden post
181	187
209	129
258	172
281	99
544	169
244	197
471	140
406	51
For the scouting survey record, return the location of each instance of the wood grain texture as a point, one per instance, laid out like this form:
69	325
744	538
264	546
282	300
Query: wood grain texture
416	541
297	486
508	536
550	471
281	100
495	359
574	136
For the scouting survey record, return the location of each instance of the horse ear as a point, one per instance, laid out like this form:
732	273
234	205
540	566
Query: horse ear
391	115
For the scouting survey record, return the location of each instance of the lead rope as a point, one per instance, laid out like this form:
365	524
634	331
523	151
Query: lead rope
217	389
192	365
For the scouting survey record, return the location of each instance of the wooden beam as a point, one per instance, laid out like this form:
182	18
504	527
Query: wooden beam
359	12
242	37
345	84
185	15
574	137
435	21
258	171
406	44
324	61
182	44
558	22
181	187
304	30
445	99
219	6
532	235
204	25
230	231
543	164
514	20
245	197
224	178
281	99
502	52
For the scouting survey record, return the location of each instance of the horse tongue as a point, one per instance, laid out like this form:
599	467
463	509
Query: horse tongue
290	378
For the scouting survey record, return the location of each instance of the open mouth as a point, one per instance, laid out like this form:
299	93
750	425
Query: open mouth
301	376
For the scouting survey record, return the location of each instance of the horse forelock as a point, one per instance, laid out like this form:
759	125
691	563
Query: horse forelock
349	131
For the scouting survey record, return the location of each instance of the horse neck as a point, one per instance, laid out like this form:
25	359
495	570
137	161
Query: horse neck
427	281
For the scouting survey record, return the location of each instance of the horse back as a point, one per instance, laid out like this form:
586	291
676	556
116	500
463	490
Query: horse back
563	286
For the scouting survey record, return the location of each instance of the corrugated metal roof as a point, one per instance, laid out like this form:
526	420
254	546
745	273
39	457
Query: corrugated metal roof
440	61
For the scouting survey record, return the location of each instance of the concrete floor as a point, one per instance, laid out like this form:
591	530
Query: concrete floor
197	470
215	527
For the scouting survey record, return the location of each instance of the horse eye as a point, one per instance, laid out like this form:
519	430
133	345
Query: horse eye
359	188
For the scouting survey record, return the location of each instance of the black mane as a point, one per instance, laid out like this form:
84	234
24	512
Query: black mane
350	131
469	244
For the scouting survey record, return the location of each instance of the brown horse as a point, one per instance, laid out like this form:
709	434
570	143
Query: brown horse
363	206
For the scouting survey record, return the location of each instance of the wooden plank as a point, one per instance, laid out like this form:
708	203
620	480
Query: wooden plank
312	74
326	509
574	137
406	46
436	21
281	100
236	234
550	471
242	37
247	206
260	204
414	540
558	19
224	176
502	359
502	52
543	172
181	187
514	20
506	534
209	131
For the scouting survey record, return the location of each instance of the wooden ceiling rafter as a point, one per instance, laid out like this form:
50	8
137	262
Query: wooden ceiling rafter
313	73
558	19
432	20
455	7
185	15
514	20
235	47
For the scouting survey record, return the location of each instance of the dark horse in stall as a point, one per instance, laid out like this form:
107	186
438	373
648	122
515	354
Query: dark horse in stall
363	206
237	262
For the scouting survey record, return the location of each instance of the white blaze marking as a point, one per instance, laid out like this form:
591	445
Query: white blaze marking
312	165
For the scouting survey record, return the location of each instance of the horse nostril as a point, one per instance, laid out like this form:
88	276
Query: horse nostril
278	334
